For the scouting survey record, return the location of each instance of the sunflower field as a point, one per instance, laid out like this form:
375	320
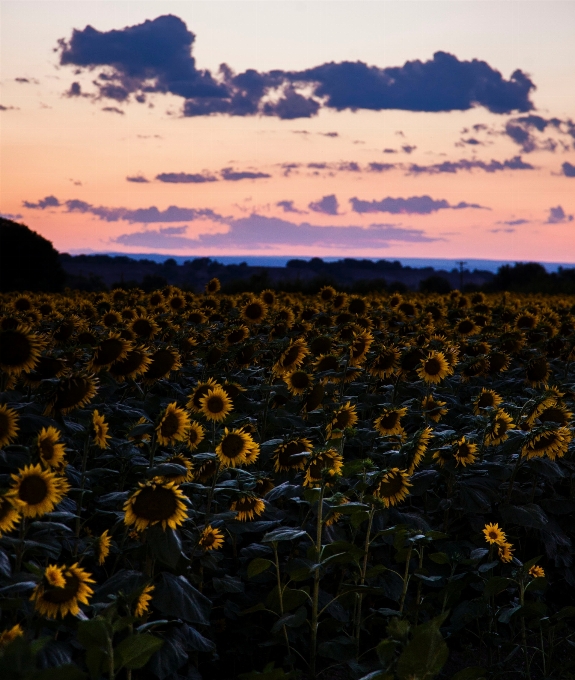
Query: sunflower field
274	486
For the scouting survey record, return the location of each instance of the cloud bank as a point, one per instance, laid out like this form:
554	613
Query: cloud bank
419	205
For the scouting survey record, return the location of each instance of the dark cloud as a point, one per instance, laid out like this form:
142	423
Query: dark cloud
10	216
259	232
231	175
513	223
408	148
472	142
505	231
142	215
523	131
419	205
557	215
328	205
288	207
27	81
568	169
515	163
381	167
137	179
113	109
185	178
75	90
156	56
329	134
8	108
390	151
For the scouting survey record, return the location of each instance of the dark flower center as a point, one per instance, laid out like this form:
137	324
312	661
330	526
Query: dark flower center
32	490
155	505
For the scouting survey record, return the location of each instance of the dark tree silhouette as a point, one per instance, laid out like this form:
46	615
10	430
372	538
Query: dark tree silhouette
28	261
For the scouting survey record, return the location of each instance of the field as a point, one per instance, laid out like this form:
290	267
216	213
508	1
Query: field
286	486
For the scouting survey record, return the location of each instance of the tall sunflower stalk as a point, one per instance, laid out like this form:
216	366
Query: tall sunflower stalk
316	579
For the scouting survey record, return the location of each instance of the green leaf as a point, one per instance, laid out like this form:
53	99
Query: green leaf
258	565
386	651
135	651
424	656
283	534
175	596
439	558
538	585
496	585
471	673
94	634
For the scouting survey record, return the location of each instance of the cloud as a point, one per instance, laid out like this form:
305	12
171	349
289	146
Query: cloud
505	231
515	163
390	151
288	207
513	223
8	108
113	109
522	131
328	205
419	205
156	57
259	232
142	215
408	148
10	216
185	178
557	215
568	169
381	167
26	81
138	179
233	176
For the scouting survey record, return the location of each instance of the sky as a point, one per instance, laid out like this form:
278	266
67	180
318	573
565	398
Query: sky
382	129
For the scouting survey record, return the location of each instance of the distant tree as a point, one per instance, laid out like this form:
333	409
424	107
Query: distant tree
524	277
435	284
28	261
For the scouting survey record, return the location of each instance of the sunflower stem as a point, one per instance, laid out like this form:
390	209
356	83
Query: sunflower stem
81	495
362	579
316	579
211	493
281	600
405	580
153	446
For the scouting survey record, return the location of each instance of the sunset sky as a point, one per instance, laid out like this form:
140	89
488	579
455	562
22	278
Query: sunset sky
385	129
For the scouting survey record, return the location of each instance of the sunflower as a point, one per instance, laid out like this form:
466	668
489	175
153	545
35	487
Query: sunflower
264	485
321	345
292	358
163	362
10	634
200	391
47	367
541	405
498	362
155	502
206	471
196	317
417	448
497	430
389	422
134	364
386	362
473	368
486	399
326	463
284	455
176	303
142	604
327	294
247	506
442	456
50	449
465	452
434	368
314	398
451	353
19	350
359	348
173	425
556	414
179	459
236	335
343	417
392	487
234	447
211	539
59	600
552	443
54	576
73	392
526	321
505	552
254	311
144	327
216	405
536	571
113	349
494	535
37	491
253	451
111	318
326	362
100	430
537	371
298	382
8	425
102	546
433	408
9	514
196	434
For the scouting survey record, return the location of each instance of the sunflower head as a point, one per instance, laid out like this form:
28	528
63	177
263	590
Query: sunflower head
163	362
196	434
254	312
465	452
486	399
344	417
234	447
499	425
62	590
74	391
134	364
389	422
155	502
211	539
182	461
216	404
549	441
100	430
288	455
392	487
433	408
36	491
19	350
10	634
142	603
200	391
292	358
173	425
385	363
9	514
505	552
323	466
50	449
298	382
434	368
8	425
494	535
536	571
102	546
247	506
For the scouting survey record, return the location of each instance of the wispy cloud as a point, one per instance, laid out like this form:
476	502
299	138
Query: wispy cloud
419	205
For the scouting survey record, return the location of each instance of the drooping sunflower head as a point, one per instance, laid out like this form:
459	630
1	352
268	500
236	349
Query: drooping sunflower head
389	422
537	371
36	491
551	442
247	506
145	327
142	603
434	368
216	404
232	451
180	478
327	294
443	456
102	546
254	311
498	428
200	391
292	358
100	430
10	634
556	414
114	348
417	448
536	571
392	487
321	345
542	404
213	286
298	382
264	485
237	334
205	472
211	539
505	552
344	417
386	362
9	514
494	535
433	408
51	450
62	590
359	348
327	362
173	425
155	502
47	367
196	434
465	452
324	465
163	362
19	350
134	364
74	391
8	425
288	455
486	399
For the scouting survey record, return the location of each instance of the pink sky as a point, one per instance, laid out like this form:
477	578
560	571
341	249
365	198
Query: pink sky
516	167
